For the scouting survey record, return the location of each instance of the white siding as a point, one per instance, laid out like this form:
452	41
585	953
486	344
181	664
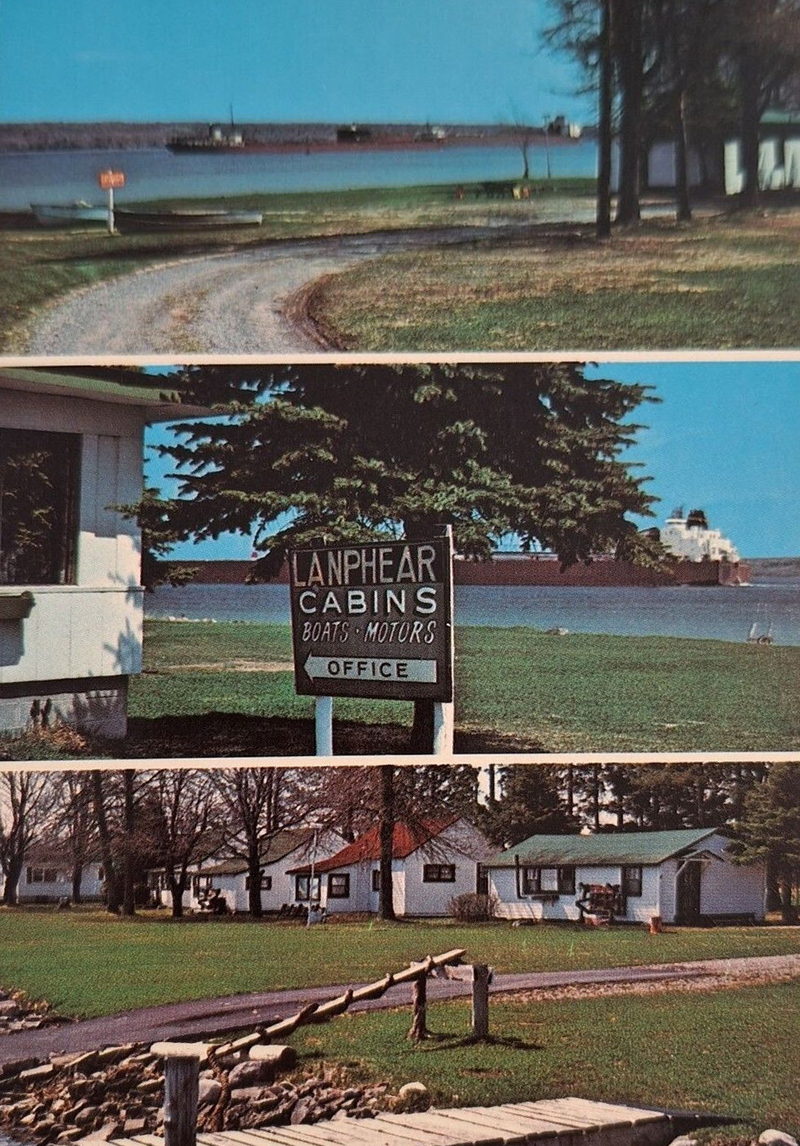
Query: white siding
91	884
503	882
94	627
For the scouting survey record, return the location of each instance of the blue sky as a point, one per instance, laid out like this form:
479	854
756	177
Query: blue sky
279	60
723	438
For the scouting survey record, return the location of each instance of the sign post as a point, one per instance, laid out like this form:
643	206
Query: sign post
109	180
375	620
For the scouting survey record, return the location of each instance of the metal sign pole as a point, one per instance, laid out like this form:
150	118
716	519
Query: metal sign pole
111	210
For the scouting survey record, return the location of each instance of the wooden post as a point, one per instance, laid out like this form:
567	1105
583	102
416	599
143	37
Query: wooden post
419	1030
480	1000
443	728
181	1092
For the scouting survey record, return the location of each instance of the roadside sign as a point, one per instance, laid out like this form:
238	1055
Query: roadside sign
111	180
374	620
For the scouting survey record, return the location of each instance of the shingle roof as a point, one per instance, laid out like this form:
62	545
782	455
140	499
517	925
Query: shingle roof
278	846
604	847
406	838
156	395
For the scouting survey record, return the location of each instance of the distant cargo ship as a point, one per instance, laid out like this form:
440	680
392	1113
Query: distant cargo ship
700	556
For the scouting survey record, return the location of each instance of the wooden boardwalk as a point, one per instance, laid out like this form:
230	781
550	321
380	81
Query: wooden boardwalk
552	1122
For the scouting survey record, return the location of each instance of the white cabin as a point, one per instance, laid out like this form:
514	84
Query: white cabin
47	877
432	863
71	602
686	876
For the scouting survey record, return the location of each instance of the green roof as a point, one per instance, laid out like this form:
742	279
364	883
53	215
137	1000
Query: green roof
601	848
276	848
153	393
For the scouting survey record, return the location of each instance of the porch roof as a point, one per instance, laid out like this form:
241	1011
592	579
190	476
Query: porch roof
154	394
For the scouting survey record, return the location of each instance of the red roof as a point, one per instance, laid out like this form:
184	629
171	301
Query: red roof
406	838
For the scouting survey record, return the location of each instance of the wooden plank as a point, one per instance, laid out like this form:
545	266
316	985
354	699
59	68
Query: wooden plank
603	1112
438	1124
396	1126
515	1130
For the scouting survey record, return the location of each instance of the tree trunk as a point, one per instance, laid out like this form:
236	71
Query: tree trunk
254	880
113	896
386	838
603	217
177	887
77	880
748	79
683	200
788	909
13	873
128	899
628	41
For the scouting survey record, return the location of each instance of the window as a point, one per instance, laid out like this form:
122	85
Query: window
339	885
200	884
376	879
38	507
306	889
266	883
42	875
632	880
531	880
566	880
439	873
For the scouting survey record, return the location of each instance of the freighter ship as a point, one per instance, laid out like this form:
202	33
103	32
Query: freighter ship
698	556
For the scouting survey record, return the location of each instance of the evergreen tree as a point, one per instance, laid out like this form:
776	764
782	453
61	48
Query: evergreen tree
770	830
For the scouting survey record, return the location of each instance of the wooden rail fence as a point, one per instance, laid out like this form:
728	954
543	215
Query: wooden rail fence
182	1060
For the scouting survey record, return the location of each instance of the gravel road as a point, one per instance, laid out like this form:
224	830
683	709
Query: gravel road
205	1017
235	302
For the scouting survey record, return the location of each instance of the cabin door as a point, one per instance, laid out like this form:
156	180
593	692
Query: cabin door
688	893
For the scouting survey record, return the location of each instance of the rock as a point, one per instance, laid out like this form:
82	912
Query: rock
247	1093
683	1140
85	1063
9	1009
250	1073
70	1134
776	1138
303	1112
10	1069
412	1096
209	1091
133	1126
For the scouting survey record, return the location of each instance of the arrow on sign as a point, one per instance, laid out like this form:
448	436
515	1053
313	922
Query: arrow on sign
370	668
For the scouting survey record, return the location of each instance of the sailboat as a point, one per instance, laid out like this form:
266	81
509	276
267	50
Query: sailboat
762	629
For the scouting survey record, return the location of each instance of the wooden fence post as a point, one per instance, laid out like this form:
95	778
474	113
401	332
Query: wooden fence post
481	976
181	1090
419	1029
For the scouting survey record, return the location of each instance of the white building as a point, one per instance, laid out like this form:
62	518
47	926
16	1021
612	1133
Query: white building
71	602
690	539
432	863
47	877
686	876
230	877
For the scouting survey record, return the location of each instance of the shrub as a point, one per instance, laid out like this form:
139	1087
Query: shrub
473	908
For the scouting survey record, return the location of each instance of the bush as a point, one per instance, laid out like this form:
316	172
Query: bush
473	908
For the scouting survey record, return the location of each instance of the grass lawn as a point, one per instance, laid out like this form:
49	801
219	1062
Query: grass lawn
537	692
38	265
717	283
86	962
730	1052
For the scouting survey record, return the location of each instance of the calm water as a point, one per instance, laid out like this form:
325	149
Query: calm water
155	173
712	613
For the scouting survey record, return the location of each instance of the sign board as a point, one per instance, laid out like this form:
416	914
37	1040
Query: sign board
111	180
374	620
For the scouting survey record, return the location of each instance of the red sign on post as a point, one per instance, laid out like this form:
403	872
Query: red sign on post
111	180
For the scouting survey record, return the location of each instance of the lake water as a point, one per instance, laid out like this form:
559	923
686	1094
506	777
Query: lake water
155	173
724	614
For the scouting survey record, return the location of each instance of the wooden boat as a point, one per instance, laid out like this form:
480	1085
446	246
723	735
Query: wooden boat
68	214
180	220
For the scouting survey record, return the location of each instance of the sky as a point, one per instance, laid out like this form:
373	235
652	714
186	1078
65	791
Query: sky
283	60
723	437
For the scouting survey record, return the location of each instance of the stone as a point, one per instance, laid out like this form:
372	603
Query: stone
70	1134
303	1112
250	1073
9	1069
683	1140
209	1091
246	1093
776	1138
134	1126
9	1009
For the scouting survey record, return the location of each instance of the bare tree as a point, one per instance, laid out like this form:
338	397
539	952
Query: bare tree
26	800
74	823
185	804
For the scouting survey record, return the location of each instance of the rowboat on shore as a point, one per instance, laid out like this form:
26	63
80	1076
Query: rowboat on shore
68	214
188	220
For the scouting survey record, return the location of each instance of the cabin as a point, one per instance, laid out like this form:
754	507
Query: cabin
47	877
230	876
718	167
71	601
686	876
432	862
